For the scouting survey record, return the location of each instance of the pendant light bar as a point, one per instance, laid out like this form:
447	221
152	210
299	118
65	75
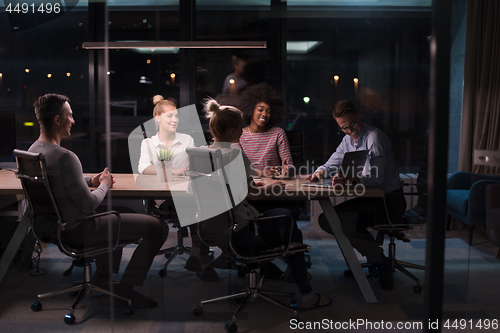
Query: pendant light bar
176	45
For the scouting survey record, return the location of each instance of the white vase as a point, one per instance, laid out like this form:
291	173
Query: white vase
164	171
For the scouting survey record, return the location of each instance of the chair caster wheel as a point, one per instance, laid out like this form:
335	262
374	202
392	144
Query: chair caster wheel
36	306
128	311
231	327
417	289
348	273
211	255
308	264
198	310
293	304
162	273
69	319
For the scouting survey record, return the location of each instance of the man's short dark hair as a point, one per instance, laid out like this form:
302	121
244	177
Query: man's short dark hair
343	107
47	107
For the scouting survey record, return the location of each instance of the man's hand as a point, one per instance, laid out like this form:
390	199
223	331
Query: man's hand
106	177
318	175
339	180
94	181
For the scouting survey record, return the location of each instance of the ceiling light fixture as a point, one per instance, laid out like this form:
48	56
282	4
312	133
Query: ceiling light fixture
176	45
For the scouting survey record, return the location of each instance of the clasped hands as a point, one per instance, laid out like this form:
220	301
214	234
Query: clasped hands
103	177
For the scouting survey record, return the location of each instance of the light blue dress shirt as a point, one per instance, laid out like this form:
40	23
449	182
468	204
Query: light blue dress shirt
381	168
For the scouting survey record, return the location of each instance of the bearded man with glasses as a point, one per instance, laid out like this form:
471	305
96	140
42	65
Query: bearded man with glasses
381	170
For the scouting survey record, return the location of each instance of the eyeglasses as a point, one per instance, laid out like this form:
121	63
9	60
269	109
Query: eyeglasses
344	128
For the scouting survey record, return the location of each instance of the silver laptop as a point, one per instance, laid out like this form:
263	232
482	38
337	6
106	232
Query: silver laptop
353	163
352	166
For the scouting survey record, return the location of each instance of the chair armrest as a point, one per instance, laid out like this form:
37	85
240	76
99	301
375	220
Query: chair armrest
98	251
197	174
265	221
477	195
492	197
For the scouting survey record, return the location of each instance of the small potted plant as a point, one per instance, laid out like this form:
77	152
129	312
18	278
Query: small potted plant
165	157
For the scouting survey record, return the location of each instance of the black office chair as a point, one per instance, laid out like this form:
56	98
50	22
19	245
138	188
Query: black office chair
296	142
414	217
215	200
170	216
47	225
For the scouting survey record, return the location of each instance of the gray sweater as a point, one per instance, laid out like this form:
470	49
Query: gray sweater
68	184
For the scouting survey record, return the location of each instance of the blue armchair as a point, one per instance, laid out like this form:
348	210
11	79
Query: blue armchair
466	196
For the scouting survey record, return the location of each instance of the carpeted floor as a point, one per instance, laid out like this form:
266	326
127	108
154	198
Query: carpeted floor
471	292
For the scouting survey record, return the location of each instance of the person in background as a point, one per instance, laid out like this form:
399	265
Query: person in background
360	213
234	82
166	116
225	126
76	200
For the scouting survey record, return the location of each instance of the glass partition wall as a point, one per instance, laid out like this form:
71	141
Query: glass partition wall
374	53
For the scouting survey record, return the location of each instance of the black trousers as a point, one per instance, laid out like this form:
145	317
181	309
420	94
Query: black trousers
360	213
94	232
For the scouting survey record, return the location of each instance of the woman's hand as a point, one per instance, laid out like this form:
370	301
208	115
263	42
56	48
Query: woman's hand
259	183
284	168
259	189
277	171
180	171
270	172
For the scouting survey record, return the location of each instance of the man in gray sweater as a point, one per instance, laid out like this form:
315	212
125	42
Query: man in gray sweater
75	200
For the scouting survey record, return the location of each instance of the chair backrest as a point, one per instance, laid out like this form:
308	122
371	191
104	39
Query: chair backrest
32	173
296	141
213	196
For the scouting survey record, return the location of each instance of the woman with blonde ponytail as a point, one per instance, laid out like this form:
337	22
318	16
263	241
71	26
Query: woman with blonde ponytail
226	123
166	117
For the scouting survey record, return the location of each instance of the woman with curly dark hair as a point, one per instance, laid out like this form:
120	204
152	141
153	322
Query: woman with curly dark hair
265	145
